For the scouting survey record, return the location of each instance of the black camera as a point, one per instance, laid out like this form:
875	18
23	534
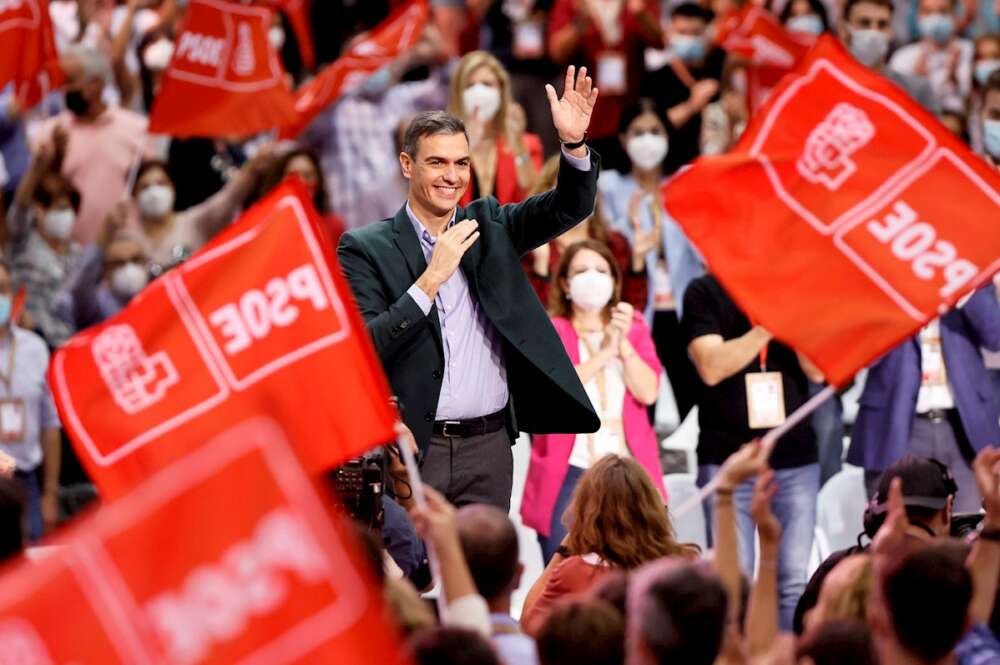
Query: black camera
360	484
962	524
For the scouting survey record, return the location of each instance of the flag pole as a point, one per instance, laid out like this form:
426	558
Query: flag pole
133	169
417	488
768	441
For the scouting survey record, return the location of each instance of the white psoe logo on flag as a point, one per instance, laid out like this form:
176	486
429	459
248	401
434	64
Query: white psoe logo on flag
826	159
21	644
136	381
244	63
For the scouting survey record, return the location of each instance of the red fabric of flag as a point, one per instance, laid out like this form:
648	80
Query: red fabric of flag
297	13
231	555
845	217
260	321
771	50
28	54
385	43
225	79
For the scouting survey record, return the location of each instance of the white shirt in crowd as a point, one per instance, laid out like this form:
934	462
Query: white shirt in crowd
950	87
607	393
935	392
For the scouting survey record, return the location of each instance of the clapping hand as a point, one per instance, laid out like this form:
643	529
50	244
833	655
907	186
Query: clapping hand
620	324
571	114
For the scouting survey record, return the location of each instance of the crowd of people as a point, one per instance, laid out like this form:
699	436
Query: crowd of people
494	193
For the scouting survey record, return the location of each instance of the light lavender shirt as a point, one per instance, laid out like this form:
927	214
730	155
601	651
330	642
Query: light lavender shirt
475	378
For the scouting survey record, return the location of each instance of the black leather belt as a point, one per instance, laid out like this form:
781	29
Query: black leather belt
470	427
936	415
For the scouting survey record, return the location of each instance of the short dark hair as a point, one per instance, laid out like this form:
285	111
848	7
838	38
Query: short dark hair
444	645
693	10
840	641
816	6
850	4
489	542
54	186
148	165
582	631
11	518
935	573
992	83
681	612
612	588
430	123
633	110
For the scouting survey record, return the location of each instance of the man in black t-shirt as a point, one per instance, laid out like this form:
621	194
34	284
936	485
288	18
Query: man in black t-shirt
751	384
682	89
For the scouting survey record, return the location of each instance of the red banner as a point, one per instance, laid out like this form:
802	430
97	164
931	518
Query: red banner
28	54
771	51
834	220
228	556
225	78
259	321
385	43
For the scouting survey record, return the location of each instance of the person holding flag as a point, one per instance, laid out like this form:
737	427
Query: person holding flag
466	345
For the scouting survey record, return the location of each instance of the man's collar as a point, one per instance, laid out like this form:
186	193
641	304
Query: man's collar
419	227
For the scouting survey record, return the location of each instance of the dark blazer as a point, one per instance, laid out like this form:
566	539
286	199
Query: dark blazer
383	260
881	433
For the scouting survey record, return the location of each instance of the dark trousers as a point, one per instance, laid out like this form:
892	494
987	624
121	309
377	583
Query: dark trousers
671	349
557	531
30	487
475	469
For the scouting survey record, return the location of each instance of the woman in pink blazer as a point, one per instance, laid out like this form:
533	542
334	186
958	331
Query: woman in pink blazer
613	352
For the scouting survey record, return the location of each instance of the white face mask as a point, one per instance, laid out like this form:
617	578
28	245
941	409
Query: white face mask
869	46
276	36
591	290
59	223
647	150
481	100
157	55
156	200
128	280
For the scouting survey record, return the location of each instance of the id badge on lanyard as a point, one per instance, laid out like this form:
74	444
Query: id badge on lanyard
529	39
12	410
612	75
765	397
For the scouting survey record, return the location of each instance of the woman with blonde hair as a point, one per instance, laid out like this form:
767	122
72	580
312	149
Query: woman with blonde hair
617	521
505	158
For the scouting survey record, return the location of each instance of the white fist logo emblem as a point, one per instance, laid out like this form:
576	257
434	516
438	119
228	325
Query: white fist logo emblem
827	157
136	381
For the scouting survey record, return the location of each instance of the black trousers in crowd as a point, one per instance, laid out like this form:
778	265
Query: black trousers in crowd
671	349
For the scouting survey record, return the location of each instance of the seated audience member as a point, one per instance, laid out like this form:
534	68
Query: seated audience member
616	520
906	628
108	278
612	350
845	594
582	631
170	237
42	254
11	518
541	263
489	543
838	642
928	491
677	614
505	158
448	645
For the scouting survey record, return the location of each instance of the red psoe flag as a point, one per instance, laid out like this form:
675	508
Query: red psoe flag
771	50
260	321
229	556
225	78
28	55
397	33
845	217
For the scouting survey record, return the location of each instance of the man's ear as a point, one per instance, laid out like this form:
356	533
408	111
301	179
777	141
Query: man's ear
406	165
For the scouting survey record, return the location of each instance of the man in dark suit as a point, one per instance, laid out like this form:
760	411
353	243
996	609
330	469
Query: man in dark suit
465	342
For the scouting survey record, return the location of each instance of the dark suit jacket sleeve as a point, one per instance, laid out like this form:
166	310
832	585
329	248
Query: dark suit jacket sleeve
982	312
390	324
540	218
